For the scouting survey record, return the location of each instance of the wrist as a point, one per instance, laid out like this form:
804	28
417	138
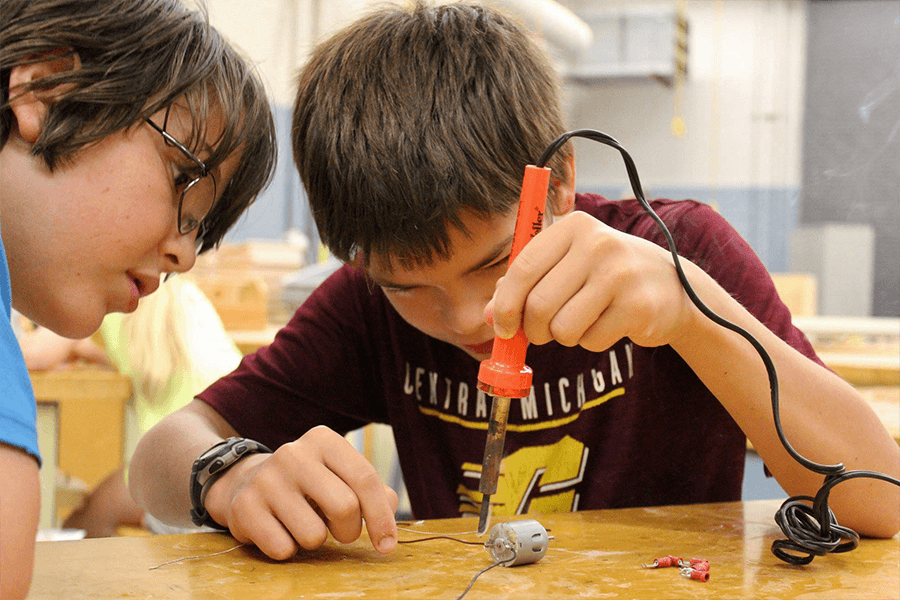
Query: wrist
695	329
210	466
223	490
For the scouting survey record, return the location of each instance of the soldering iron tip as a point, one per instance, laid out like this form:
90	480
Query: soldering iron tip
484	519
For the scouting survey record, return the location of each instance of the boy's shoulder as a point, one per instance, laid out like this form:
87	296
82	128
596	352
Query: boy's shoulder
628	215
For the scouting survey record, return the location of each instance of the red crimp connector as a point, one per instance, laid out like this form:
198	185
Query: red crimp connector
694	574
700	564
665	561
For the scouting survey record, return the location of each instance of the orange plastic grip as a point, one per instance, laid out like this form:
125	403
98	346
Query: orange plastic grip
505	373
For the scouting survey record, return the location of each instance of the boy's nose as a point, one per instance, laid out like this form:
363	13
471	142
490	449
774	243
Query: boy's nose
464	316
179	252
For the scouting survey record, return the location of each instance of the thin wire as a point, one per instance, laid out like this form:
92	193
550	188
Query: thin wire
435	537
485	570
435	532
440	537
177	560
811	530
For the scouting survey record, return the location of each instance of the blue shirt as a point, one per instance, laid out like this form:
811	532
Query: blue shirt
18	409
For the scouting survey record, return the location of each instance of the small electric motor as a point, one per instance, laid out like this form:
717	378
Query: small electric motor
517	542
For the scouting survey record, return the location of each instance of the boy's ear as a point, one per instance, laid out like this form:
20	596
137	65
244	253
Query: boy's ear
30	107
563	189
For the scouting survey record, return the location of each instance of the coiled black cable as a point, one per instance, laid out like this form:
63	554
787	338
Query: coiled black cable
809	525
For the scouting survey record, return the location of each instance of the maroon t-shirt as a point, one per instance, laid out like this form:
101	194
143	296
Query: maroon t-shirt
630	426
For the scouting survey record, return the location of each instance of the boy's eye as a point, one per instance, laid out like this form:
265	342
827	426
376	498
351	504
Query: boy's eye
500	263
189	223
396	290
183	177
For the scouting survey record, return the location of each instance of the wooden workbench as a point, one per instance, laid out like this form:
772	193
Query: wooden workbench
593	554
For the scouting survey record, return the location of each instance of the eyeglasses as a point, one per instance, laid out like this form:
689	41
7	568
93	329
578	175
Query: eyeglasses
198	188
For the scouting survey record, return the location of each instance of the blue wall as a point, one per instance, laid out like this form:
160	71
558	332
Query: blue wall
765	217
283	204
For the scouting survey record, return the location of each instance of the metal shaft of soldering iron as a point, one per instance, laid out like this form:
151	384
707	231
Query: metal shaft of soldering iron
493	454
505	375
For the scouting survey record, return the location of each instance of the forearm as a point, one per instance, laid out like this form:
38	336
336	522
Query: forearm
823	417
109	506
159	472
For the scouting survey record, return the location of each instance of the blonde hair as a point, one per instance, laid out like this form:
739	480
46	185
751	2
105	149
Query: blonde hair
156	338
161	343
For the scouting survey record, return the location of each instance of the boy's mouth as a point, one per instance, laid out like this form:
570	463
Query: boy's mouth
483	348
134	295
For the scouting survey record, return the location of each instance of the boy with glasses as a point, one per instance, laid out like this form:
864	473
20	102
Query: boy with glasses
131	136
412	129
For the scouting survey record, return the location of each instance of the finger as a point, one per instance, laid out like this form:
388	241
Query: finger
333	504
299	515
253	521
550	295
376	506
488	313
530	266
605	330
393	498
570	323
315	498
342	459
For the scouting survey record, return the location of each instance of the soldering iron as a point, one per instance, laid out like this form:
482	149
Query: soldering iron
505	375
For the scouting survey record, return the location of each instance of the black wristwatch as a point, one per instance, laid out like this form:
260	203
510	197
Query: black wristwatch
210	466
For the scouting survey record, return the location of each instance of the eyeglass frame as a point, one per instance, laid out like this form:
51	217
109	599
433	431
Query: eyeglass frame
204	172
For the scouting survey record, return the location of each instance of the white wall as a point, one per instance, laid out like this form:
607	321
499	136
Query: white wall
742	102
742	105
278	34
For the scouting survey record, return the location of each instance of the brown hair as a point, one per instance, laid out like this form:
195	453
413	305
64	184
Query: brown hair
138	57
415	115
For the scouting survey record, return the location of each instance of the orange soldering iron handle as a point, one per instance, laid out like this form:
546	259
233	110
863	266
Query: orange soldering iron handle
530	219
506	373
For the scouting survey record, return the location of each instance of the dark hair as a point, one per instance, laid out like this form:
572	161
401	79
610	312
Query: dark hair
138	57
411	117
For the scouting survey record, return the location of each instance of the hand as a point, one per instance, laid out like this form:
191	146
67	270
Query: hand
294	497
581	282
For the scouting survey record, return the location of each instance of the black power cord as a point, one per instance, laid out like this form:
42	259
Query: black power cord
809	525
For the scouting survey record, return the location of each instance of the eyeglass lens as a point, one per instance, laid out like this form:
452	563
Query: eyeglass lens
196	201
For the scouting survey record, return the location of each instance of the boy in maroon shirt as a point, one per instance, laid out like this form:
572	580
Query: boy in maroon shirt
412	128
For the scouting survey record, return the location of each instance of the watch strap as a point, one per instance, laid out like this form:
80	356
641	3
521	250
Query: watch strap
211	465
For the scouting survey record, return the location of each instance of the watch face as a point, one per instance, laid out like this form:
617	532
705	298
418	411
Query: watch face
213	463
222	444
218	450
